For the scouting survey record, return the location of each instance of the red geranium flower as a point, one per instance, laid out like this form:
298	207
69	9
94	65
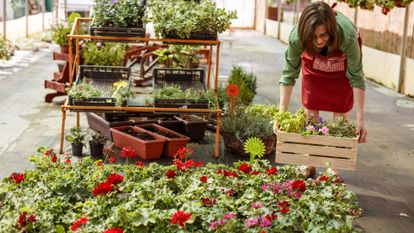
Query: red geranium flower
140	163
272	171
183	153
208	202
114	230
283	206
232	90
255	173
78	223
230	192
203	179
115	179
22	219
17	177
99	163
180	217
54	158
102	188
299	184
323	178
245	168
68	161
170	174
127	152
112	159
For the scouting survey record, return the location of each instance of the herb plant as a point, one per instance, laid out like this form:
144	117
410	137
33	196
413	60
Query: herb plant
108	54
175	92
178	56
83	90
182	18
76	136
118	13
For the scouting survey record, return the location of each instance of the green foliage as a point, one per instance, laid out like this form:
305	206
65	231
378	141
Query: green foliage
244	126
108	54
59	193
76	136
83	90
175	92
99	138
118	13
246	82
6	49
181	18
179	56
266	110
122	95
292	123
60	30
340	127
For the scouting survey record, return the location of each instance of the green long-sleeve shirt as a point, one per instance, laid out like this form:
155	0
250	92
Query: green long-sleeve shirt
348	44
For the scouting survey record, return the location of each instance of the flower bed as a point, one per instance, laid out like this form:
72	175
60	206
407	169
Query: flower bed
59	196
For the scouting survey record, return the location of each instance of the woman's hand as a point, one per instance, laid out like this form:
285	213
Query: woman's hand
276	127
362	132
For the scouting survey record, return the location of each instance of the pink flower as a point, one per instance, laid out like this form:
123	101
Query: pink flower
310	128
251	222
215	224
264	187
325	130
229	216
257	205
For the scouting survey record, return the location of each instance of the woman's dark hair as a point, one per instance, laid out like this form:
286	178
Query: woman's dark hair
315	14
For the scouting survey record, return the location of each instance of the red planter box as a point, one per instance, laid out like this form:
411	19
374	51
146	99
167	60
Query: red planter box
173	144
144	149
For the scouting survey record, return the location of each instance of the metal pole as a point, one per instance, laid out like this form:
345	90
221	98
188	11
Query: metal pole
279	18
43	14
355	16
401	79
4	19
27	18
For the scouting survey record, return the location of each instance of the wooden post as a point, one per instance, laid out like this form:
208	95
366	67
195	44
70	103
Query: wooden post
4	18
66	8
43	14
27	18
279	17
403	61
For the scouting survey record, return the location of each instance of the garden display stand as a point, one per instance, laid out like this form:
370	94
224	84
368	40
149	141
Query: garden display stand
315	150
74	62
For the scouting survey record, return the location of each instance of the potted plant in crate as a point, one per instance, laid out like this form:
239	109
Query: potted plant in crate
118	18
76	137
103	54
189	19
96	144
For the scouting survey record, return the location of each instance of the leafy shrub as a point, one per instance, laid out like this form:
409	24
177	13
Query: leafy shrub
6	49
246	82
118	13
60	30
108	54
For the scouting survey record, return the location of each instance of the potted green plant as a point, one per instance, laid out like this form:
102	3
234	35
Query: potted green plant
60	32
237	128
82	91
76	137
103	54
185	19
246	83
174	96
6	49
178	56
96	144
118	17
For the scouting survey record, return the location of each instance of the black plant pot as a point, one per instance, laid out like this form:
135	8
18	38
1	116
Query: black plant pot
77	149
96	148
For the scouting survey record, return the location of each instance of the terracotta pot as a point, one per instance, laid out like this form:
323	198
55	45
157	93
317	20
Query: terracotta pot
150	149
194	126
174	140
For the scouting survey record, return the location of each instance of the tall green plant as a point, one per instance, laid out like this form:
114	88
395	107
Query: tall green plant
246	82
60	30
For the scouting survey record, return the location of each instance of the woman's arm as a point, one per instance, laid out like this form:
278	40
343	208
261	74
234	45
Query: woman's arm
285	93
359	97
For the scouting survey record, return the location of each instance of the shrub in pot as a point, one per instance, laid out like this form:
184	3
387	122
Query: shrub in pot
60	31
96	144
118	13
76	137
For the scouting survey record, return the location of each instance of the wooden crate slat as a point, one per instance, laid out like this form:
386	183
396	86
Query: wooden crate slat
330	151
301	159
317	140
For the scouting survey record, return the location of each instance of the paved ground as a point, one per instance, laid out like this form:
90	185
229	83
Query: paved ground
383	180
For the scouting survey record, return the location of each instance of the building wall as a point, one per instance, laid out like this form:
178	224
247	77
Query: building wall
16	28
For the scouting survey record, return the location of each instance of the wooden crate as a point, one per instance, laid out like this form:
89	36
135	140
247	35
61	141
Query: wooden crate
318	151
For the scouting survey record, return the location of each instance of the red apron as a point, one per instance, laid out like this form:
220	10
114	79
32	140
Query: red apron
325	86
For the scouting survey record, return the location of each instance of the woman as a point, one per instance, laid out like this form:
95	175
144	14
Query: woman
326	45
